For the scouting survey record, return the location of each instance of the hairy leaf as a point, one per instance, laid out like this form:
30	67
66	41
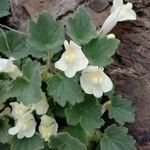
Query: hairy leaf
121	110
4	8
77	132
80	27
4	126
12	44
116	138
33	143
4	90
100	50
87	114
46	33
64	90
63	141
28	87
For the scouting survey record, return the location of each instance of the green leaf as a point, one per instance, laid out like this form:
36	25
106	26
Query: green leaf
100	50
33	143
38	52
121	110
4	126
116	138
77	132
4	90
63	141
80	27
28	87
87	114
13	44
65	90
4	8
46	33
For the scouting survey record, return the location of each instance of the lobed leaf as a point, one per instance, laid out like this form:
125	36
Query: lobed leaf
33	143
28	87
63	141
77	132
64	90
121	110
100	50
46	33
80	27
116	138
86	113
13	45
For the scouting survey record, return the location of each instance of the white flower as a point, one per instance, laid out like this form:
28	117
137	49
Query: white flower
7	66
119	12
41	106
94	81
18	109
48	127
72	60
25	127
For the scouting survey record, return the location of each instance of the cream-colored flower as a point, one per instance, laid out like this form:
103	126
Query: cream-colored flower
94	81
105	106
119	12
7	66
25	127
48	127
41	106
111	36
18	109
72	60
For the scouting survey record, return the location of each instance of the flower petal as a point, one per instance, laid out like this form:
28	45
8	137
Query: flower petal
85	86
13	130
61	65
97	91
127	13
20	135
109	24
66	45
107	84
74	46
70	72
116	5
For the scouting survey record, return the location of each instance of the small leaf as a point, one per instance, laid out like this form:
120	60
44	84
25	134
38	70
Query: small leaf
87	114
28	87
77	132
14	46
4	90
4	126
4	8
65	90
100	50
33	143
63	141
80	27
46	33
116	138
121	110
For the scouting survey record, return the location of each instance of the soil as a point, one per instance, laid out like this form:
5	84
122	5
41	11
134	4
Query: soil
130	70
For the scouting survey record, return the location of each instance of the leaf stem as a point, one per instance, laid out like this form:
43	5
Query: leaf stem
6	27
6	41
